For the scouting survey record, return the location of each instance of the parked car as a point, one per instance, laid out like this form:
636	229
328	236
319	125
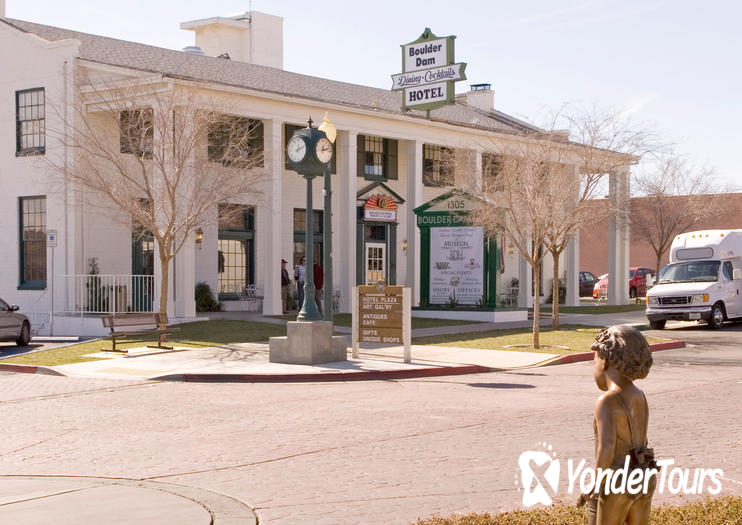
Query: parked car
637	283
14	326
587	283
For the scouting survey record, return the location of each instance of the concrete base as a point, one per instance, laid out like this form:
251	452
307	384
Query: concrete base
486	316
308	343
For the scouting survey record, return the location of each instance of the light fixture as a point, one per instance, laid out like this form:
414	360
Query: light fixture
329	128
511	251
199	237
404	245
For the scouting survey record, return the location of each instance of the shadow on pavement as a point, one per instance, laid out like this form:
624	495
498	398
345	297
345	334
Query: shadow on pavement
500	385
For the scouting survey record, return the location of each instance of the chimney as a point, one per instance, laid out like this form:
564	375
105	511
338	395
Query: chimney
2	8
481	97
252	37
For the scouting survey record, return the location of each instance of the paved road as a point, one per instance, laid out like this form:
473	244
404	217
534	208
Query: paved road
378	452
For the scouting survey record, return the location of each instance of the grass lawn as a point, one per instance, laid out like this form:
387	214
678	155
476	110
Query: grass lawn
596	309
417	322
724	510
202	333
575	338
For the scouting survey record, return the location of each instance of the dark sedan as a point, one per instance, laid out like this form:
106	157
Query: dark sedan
587	282
14	326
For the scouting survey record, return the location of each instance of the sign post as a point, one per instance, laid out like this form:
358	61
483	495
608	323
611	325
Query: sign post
381	314
51	242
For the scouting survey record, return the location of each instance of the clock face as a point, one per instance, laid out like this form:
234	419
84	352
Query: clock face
296	149
324	150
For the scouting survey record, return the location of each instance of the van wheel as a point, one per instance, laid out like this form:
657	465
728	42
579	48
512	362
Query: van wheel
632	293
717	316
25	336
657	325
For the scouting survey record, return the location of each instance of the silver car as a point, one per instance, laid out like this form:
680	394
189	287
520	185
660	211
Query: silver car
14	326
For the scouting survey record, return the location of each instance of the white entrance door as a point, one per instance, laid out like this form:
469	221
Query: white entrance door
375	262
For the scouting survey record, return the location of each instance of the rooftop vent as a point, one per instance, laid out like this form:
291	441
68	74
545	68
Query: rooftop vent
193	50
481	87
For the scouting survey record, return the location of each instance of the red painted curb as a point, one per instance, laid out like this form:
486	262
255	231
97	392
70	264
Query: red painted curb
363	375
28	369
589	356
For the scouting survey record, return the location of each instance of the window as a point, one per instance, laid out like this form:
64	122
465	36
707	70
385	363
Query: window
377	158
728	270
300	234
32	211
438	165
491	168
136	132
30	118
236	142
236	249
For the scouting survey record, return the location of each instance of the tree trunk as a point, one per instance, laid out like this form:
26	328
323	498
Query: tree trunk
164	281
536	305
555	293
657	268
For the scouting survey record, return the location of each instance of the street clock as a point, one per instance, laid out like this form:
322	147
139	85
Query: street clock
309	151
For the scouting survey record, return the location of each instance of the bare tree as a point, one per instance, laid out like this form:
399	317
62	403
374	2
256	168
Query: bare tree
541	184
160	156
675	198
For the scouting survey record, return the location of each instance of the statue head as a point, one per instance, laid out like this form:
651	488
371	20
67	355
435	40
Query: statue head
624	349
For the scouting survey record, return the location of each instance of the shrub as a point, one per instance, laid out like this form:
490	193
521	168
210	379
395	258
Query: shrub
724	510
205	301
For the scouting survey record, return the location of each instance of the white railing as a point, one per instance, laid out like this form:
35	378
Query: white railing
98	294
40	312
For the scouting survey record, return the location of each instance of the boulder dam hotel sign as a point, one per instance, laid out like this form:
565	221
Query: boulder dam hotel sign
428	72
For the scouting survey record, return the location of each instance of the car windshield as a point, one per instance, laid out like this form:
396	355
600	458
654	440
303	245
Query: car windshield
690	272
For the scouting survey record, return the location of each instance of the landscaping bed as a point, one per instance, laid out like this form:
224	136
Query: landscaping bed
196	334
569	340
719	511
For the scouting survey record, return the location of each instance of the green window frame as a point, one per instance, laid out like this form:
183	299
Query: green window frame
438	165
30	122
32	242
377	158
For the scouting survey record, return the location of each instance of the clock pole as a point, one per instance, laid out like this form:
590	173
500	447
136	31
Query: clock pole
309	310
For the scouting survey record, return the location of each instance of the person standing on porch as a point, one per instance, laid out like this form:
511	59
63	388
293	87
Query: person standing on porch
285	283
300	276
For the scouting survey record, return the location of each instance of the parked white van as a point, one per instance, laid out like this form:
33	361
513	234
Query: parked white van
702	281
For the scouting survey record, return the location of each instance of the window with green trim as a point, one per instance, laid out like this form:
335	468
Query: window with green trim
32	240
438	165
30	122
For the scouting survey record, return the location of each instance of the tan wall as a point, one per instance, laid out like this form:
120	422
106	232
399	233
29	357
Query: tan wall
594	238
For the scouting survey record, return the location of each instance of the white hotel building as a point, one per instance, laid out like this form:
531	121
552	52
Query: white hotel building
380	151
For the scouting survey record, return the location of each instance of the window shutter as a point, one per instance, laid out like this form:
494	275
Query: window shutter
392	159
360	155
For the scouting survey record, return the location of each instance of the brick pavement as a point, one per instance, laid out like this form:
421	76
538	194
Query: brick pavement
379	452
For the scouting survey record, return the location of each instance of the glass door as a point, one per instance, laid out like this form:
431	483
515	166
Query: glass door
375	262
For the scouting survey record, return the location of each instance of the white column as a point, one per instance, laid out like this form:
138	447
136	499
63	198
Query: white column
572	263
344	256
524	282
414	199
271	234
618	237
184	280
475	167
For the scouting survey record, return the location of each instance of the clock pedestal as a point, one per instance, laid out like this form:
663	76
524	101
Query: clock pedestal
308	343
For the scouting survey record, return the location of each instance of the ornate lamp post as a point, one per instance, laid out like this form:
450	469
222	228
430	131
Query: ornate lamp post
309	152
331	133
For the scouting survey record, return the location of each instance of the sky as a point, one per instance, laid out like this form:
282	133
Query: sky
672	64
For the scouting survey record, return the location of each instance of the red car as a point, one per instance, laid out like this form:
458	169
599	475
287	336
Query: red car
637	283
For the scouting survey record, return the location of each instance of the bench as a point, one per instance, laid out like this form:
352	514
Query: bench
133	327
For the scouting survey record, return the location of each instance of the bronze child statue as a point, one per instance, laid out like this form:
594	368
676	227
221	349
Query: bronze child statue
622	355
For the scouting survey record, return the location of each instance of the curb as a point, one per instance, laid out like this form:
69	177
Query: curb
28	369
588	356
363	375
